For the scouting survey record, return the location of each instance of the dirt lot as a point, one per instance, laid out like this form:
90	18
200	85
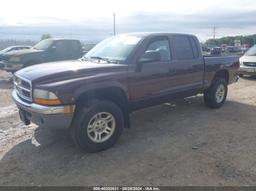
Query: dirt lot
183	143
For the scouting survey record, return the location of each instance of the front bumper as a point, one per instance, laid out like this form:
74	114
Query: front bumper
11	67
247	70
45	116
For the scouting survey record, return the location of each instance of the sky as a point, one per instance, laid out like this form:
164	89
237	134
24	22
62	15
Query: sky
93	19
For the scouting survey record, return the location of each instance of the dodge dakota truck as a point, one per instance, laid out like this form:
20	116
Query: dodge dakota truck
47	50
94	96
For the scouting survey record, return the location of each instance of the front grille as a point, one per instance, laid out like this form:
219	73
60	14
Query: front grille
249	63
23	88
5	58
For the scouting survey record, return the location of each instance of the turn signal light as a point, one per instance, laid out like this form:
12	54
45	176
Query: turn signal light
47	101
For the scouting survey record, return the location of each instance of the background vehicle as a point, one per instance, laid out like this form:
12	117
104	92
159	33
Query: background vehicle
233	49
245	47
216	51
248	62
45	51
95	95
205	48
9	49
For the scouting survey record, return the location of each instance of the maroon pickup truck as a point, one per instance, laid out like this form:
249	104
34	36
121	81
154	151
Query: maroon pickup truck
93	96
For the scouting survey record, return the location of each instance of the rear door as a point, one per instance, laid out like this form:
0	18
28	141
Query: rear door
187	64
62	50
75	49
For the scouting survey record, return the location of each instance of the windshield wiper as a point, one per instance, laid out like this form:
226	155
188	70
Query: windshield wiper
104	59
83	59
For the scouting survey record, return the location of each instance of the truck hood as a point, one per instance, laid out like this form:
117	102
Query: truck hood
246	58
63	70
23	52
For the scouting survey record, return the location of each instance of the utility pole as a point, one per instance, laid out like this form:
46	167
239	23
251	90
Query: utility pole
114	24
214	32
214	35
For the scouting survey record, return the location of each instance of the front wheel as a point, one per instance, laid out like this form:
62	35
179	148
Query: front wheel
98	126
215	95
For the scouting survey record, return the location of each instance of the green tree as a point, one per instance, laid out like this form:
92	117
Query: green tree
45	36
249	39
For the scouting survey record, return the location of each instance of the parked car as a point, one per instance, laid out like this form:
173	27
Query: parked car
205	48
13	48
45	51
248	62
94	96
9	49
233	49
216	51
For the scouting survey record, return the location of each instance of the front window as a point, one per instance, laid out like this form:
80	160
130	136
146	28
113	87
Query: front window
162	47
43	45
251	51
114	49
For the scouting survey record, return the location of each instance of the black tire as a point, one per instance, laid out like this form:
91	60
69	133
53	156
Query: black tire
210	95
81	121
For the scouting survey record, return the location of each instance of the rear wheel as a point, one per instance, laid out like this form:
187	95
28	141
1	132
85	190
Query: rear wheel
98	126
215	95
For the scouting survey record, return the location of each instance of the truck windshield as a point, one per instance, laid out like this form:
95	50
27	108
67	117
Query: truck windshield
43	45
251	51
6	50
114	49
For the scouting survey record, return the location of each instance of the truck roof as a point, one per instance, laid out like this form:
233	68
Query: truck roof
66	39
147	34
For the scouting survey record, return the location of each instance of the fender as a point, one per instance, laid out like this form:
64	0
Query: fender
98	86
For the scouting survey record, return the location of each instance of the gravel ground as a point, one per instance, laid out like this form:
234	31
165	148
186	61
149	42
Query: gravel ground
182	143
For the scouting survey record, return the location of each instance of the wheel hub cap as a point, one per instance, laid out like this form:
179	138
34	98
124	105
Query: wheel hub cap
101	127
220	93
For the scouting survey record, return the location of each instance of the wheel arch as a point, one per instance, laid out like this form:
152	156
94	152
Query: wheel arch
223	73
115	93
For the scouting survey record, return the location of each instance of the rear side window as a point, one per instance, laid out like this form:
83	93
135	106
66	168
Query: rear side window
182	49
75	46
62	46
194	47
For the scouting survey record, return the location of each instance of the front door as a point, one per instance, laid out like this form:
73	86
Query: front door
152	78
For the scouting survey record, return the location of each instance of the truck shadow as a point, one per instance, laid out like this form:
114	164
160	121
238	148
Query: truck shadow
250	78
50	156
6	84
5	80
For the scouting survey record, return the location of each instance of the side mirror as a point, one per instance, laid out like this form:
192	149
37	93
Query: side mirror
150	56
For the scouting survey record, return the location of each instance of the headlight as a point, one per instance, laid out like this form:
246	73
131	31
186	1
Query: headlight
45	97
241	61
14	59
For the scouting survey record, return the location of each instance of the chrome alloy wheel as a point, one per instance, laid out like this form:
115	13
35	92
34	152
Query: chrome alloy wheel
101	127
220	93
